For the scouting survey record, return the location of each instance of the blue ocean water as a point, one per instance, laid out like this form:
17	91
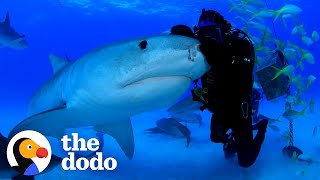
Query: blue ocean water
72	28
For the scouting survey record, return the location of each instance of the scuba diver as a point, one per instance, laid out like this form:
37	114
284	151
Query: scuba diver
227	86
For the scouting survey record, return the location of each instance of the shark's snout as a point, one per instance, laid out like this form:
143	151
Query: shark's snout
198	63
193	52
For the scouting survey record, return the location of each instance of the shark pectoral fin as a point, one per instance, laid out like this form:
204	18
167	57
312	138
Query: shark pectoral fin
57	63
48	123
122	133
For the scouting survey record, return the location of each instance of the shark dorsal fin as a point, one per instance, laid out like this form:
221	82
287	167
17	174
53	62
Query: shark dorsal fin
7	20
58	63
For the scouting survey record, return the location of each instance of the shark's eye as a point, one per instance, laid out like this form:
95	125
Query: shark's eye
143	44
29	147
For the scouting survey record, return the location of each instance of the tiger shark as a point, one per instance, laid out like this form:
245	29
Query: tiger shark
9	37
108	85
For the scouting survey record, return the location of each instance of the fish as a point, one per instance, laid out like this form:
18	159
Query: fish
310	80
185	105
301	65
270	120
274	128
263	37
306	40
255	3
279	44
293	114
315	36
297	81
283	20
108	85
298	97
287	9
9	37
289	51
264	13
7	172
287	70
308	57
299	29
286	136
171	127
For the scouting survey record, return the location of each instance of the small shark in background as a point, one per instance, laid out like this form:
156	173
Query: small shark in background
188	118
9	37
7	172
185	111
186	105
171	127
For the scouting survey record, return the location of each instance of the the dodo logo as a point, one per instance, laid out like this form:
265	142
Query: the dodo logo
29	153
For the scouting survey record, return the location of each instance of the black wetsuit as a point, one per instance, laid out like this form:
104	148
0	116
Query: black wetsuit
229	83
255	98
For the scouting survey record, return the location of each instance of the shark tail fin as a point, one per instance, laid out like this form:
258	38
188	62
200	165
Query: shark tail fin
58	63
7	20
